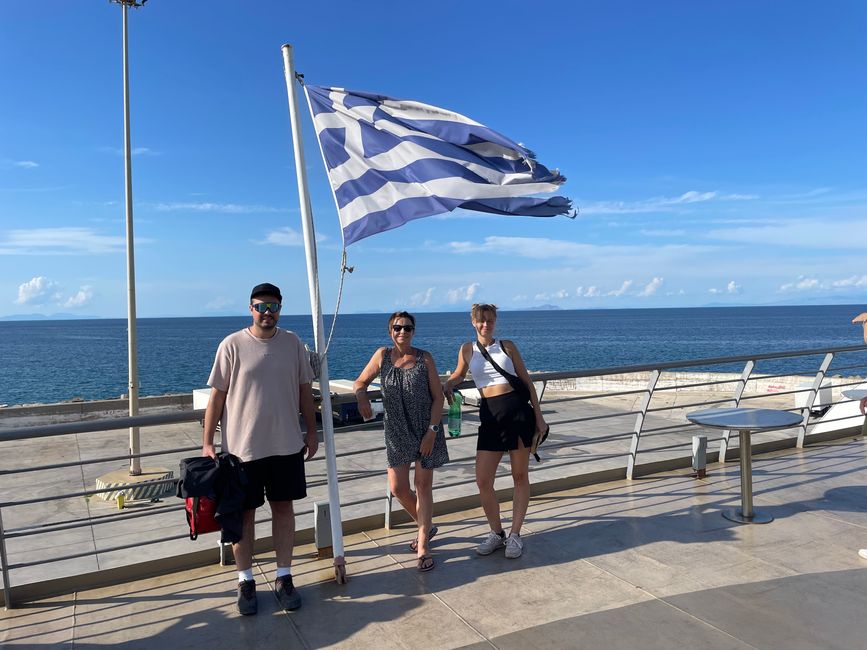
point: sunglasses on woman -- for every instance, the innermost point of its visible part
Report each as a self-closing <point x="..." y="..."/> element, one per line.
<point x="406" y="328"/>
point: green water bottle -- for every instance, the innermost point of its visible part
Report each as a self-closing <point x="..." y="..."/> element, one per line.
<point x="455" y="415"/>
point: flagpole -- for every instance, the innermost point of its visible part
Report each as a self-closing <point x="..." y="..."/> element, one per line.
<point x="318" y="329"/>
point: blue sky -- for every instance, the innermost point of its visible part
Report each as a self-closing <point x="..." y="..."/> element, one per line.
<point x="717" y="152"/>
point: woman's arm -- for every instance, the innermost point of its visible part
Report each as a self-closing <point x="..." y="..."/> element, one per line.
<point x="460" y="371"/>
<point x="436" y="407"/>
<point x="359" y="387"/>
<point x="521" y="370"/>
<point x="862" y="318"/>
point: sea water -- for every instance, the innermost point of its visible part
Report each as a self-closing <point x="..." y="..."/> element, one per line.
<point x="51" y="361"/>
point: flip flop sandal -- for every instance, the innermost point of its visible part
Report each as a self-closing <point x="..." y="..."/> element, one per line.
<point x="425" y="563"/>
<point x="413" y="545"/>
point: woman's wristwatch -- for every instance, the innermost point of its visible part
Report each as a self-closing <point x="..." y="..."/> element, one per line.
<point x="435" y="428"/>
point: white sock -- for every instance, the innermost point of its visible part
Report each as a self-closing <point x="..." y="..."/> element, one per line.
<point x="284" y="571"/>
<point x="245" y="575"/>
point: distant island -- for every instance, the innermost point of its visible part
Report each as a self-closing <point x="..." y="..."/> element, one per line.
<point x="545" y="308"/>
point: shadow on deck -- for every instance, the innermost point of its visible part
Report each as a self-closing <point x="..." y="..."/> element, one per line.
<point x="646" y="563"/>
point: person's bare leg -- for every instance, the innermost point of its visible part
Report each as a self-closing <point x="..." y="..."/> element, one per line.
<point x="520" y="461"/>
<point x="283" y="531"/>
<point x="398" y="483"/>
<point x="486" y="470"/>
<point x="424" y="507"/>
<point x="243" y="550"/>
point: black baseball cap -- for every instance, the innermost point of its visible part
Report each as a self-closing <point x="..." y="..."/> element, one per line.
<point x="266" y="289"/>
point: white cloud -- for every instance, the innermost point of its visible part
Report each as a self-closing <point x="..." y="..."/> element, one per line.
<point x="283" y="237"/>
<point x="26" y="164"/>
<point x="37" y="291"/>
<point x="659" y="203"/>
<point x="135" y="151"/>
<point x="714" y="290"/>
<point x="462" y="294"/>
<point x="82" y="297"/>
<point x="853" y="281"/>
<point x="422" y="297"/>
<point x="799" y="233"/>
<point x="220" y="303"/>
<point x="532" y="247"/>
<point x="555" y="295"/>
<point x="623" y="289"/>
<point x="663" y="233"/>
<point x="801" y="284"/>
<point x="733" y="287"/>
<point x="651" y="287"/>
<point x="62" y="241"/>
<point x="592" y="292"/>
<point x="739" y="197"/>
<point x="229" y="208"/>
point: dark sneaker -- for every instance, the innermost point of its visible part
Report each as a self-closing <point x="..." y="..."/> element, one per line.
<point x="247" y="602"/>
<point x="287" y="594"/>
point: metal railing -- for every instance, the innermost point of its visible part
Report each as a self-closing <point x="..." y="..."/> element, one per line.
<point x="639" y="435"/>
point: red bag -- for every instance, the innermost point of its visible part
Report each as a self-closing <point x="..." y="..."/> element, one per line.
<point x="201" y="515"/>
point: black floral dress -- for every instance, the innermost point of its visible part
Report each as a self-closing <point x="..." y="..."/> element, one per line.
<point x="407" y="401"/>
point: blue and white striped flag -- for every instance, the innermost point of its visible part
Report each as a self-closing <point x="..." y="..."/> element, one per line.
<point x="390" y="161"/>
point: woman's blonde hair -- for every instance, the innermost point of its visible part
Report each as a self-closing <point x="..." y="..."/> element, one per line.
<point x="478" y="309"/>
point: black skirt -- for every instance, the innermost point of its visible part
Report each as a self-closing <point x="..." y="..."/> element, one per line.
<point x="504" y="419"/>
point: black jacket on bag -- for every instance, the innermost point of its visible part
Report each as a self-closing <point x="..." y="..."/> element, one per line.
<point x="224" y="481"/>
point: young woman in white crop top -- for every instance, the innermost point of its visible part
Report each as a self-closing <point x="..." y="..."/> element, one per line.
<point x="507" y="424"/>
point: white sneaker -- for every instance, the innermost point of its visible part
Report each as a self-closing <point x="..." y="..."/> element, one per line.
<point x="492" y="542"/>
<point x="863" y="553"/>
<point x="514" y="546"/>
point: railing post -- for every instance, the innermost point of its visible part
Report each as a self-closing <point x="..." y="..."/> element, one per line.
<point x="811" y="397"/>
<point x="736" y="398"/>
<point x="389" y="498"/>
<point x="639" y="423"/>
<point x="7" y="588"/>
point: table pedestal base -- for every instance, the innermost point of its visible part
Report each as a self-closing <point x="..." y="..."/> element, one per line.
<point x="737" y="515"/>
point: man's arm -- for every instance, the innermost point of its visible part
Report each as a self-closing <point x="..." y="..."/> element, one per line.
<point x="308" y="412"/>
<point x="213" y="413"/>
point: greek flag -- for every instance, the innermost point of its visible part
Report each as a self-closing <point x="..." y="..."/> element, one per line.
<point x="390" y="161"/>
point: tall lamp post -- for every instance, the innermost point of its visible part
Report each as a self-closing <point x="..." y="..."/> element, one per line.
<point x="134" y="439"/>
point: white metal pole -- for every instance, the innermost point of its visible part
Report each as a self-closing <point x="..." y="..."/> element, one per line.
<point x="316" y="306"/>
<point x="134" y="441"/>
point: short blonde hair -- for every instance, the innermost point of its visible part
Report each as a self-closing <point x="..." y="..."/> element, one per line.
<point x="478" y="310"/>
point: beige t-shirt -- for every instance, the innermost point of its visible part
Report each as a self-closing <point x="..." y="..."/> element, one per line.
<point x="262" y="379"/>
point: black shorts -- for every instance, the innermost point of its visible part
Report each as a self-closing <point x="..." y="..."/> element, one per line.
<point x="280" y="478"/>
<point x="504" y="419"/>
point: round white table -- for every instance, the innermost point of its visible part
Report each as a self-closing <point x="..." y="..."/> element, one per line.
<point x="746" y="421"/>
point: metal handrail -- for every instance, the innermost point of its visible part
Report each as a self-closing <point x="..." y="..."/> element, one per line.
<point x="115" y="423"/>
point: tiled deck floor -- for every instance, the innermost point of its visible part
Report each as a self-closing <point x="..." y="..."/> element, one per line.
<point x="649" y="563"/>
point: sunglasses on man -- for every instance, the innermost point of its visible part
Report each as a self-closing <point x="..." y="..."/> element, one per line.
<point x="262" y="307"/>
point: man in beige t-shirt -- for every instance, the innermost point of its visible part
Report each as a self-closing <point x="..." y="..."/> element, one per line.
<point x="261" y="379"/>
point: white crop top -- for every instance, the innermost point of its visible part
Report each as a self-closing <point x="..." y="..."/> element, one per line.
<point x="483" y="372"/>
